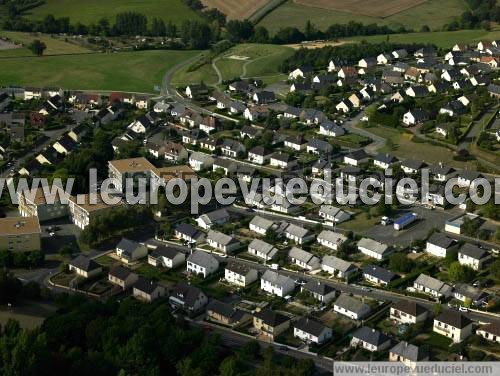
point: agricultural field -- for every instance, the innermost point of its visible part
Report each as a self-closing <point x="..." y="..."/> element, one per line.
<point x="124" y="71"/>
<point x="443" y="39"/>
<point x="90" y="11"/>
<point x="394" y="13"/>
<point x="55" y="46"/>
<point x="371" y="8"/>
<point x="236" y="9"/>
<point x="246" y="60"/>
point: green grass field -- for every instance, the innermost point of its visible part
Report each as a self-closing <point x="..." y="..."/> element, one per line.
<point x="90" y="11"/>
<point x="125" y="71"/>
<point x="263" y="62"/>
<point x="55" y="46"/>
<point x="434" y="13"/>
<point x="444" y="39"/>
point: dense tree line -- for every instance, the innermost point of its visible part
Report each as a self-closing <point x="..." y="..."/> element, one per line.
<point x="130" y="338"/>
<point x="479" y="14"/>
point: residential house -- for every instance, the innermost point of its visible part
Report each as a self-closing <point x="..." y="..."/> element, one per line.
<point x="259" y="155"/>
<point x="122" y="277"/>
<point x="432" y="286"/>
<point x="296" y="143"/>
<point x="187" y="232"/>
<point x="453" y="324"/>
<point x="282" y="160"/>
<point x="411" y="166"/>
<point x="256" y="113"/>
<point x="214" y="218"/>
<point x="130" y="251"/>
<point x="299" y="235"/>
<point x="408" y="354"/>
<point x="201" y="263"/>
<point x="260" y="225"/>
<point x="408" y="312"/>
<point x="337" y="267"/>
<point x="303" y="259"/>
<point x="225" y="314"/>
<point x="147" y="290"/>
<point x="467" y="177"/>
<point x="370" y="339"/>
<point x="320" y="147"/>
<point x="378" y="275"/>
<point x="353" y="308"/>
<point x="232" y="148"/>
<point x="276" y="284"/>
<point x="373" y="248"/>
<point x="196" y="91"/>
<point x="239" y="274"/>
<point x="270" y="324"/>
<point x="300" y="72"/>
<point x="356" y="158"/>
<point x="262" y="250"/>
<point x="468" y="294"/>
<point x="333" y="214"/>
<point x="222" y="242"/>
<point x="264" y="97"/>
<point x="330" y="239"/>
<point x="490" y="331"/>
<point x="385" y="161"/>
<point x="188" y="298"/>
<point x="415" y="117"/>
<point x="311" y="331"/>
<point x="167" y="257"/>
<point x="473" y="256"/>
<point x="329" y="128"/>
<point x="200" y="161"/>
<point x="319" y="291"/>
<point x="84" y="266"/>
<point x="439" y="244"/>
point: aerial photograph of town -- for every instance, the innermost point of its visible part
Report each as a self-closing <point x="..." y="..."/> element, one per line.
<point x="256" y="188"/>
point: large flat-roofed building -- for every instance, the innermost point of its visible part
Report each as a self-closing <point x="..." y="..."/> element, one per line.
<point x="134" y="168"/>
<point x="20" y="234"/>
<point x="44" y="206"/>
<point x="82" y="210"/>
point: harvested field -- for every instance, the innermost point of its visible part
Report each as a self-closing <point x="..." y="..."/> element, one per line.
<point x="371" y="8"/>
<point x="236" y="9"/>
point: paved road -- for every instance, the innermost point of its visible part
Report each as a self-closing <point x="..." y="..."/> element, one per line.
<point x="377" y="141"/>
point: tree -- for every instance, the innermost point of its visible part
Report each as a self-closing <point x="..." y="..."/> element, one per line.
<point x="495" y="269"/>
<point x="460" y="273"/>
<point x="37" y="47"/>
<point x="400" y="262"/>
<point x="10" y="287"/>
<point x="437" y="309"/>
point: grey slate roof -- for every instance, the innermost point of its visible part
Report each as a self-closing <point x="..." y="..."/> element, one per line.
<point x="127" y="246"/>
<point x="303" y="256"/>
<point x="409" y="351"/>
<point x="310" y="326"/>
<point x="297" y="231"/>
<point x="338" y="264"/>
<point x="84" y="263"/>
<point x="351" y="304"/>
<point x="263" y="247"/>
<point x="410" y="307"/>
<point x="202" y="258"/>
<point x="318" y="288"/>
<point x="145" y="285"/>
<point x="454" y="318"/>
<point x="167" y="252"/>
<point x="275" y="278"/>
<point x="473" y="251"/>
<point x="379" y="273"/>
<point x="186" y="293"/>
<point x="261" y="222"/>
<point x="432" y="283"/>
<point x="441" y="240"/>
<point x="220" y="238"/>
<point x="371" y="336"/>
<point x="271" y="318"/>
<point x="373" y="245"/>
<point x="120" y="272"/>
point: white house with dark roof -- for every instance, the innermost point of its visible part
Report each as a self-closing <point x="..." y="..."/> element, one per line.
<point x="353" y="308"/>
<point x="260" y="225"/>
<point x="239" y="274"/>
<point x="408" y="312"/>
<point x="337" y="267"/>
<point x="201" y="263"/>
<point x="200" y="161"/>
<point x="356" y="157"/>
<point x="262" y="250"/>
<point x="319" y="291"/>
<point x="473" y="256"/>
<point x="188" y="298"/>
<point x="333" y="214"/>
<point x="304" y="259"/>
<point x="217" y="217"/>
<point x="408" y="354"/>
<point x="330" y="239"/>
<point x="432" y="286"/>
<point x="384" y="161"/>
<point x="123" y="277"/>
<point x="84" y="266"/>
<point x="453" y="324"/>
<point x="167" y="257"/>
<point x="439" y="244"/>
<point x="377" y="275"/>
<point x="187" y="232"/>
<point x="466" y="177"/>
<point x="490" y="331"/>
<point x="222" y="242"/>
<point x="130" y="251"/>
<point x="370" y="339"/>
<point x="464" y="292"/>
<point x="276" y="284"/>
<point x="299" y="235"/>
<point x="147" y="290"/>
<point x="311" y="331"/>
<point x="415" y="116"/>
<point x="259" y="155"/>
<point x="373" y="248"/>
<point x="411" y="166"/>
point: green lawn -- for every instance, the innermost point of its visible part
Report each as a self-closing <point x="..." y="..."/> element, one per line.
<point x="55" y="46"/>
<point x="124" y="71"/>
<point x="403" y="147"/>
<point x="442" y="39"/>
<point x="434" y="13"/>
<point x="263" y="62"/>
<point x="90" y="11"/>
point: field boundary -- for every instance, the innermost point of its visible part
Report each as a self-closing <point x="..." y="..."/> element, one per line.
<point x="259" y="14"/>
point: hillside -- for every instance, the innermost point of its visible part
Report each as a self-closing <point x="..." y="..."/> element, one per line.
<point x="408" y="13"/>
<point x="90" y="11"/>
